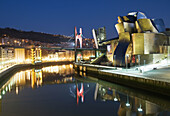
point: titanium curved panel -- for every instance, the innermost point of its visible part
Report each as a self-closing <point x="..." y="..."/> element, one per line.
<point x="159" y="24"/>
<point x="120" y="28"/>
<point x="138" y="28"/>
<point x="138" y="43"/>
<point x="129" y="18"/>
<point x="147" y="43"/>
<point x="141" y="15"/>
<point x="120" y="20"/>
<point x="129" y="27"/>
<point x="132" y="13"/>
<point x="146" y="25"/>
<point x="152" y="42"/>
<point x="124" y="37"/>
<point x="120" y="51"/>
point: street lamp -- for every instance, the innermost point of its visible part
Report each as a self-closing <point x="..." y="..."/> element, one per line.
<point x="115" y="99"/>
<point x="139" y="60"/>
<point x="127" y="104"/>
<point x="144" y="65"/>
<point x="114" y="61"/>
<point x="126" y="57"/>
<point x="140" y="109"/>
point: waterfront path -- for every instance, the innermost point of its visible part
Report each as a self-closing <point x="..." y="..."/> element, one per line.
<point x="153" y="78"/>
<point x="159" y="73"/>
<point x="162" y="74"/>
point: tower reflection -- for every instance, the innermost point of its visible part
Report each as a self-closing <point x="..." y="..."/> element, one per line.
<point x="36" y="77"/>
<point x="80" y="93"/>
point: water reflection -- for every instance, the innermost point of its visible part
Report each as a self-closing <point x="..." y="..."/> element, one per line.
<point x="37" y="77"/>
<point x="127" y="105"/>
<point x="61" y="91"/>
<point x="79" y="90"/>
<point x="80" y="93"/>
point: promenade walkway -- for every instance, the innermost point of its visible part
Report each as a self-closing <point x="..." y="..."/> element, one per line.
<point x="154" y="72"/>
<point x="160" y="74"/>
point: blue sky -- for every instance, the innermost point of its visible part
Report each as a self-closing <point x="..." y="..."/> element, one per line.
<point x="60" y="16"/>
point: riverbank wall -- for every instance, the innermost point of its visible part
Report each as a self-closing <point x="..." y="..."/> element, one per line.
<point x="144" y="83"/>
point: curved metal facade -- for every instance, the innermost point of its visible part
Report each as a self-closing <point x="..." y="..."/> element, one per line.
<point x="145" y="35"/>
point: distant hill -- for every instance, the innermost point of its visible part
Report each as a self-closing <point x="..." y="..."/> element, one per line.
<point x="35" y="36"/>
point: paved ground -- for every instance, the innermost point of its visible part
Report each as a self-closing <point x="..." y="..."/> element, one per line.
<point x="161" y="74"/>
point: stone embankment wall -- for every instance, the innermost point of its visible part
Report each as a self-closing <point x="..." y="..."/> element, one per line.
<point x="142" y="83"/>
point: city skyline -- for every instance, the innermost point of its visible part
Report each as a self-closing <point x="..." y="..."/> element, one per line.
<point x="60" y="17"/>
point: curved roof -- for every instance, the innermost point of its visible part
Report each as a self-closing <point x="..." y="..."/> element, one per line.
<point x="139" y="15"/>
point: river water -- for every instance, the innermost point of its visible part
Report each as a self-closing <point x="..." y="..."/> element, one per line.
<point x="58" y="91"/>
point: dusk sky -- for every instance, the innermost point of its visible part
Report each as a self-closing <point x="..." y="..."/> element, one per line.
<point x="61" y="16"/>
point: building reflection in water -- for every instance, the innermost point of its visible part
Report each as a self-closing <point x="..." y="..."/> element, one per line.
<point x="127" y="105"/>
<point x="79" y="90"/>
<point x="124" y="105"/>
<point x="80" y="93"/>
<point x="37" y="77"/>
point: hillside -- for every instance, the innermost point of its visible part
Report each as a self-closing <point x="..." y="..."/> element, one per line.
<point x="35" y="36"/>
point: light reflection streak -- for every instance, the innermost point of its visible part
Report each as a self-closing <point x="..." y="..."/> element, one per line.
<point x="34" y="78"/>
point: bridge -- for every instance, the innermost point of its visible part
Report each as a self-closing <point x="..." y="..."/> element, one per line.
<point x="36" y="53"/>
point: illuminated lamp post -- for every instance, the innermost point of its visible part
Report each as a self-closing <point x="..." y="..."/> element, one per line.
<point x="140" y="108"/>
<point x="115" y="98"/>
<point x="114" y="61"/>
<point x="139" y="62"/>
<point x="144" y="66"/>
<point x="126" y="61"/>
<point x="128" y="104"/>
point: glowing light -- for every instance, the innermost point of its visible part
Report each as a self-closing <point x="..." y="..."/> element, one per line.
<point x="9" y="87"/>
<point x="115" y="99"/>
<point x="16" y="90"/>
<point x="6" y="88"/>
<point x="28" y="60"/>
<point x="64" y="66"/>
<point x="127" y="104"/>
<point x="140" y="109"/>
<point x="0" y="96"/>
<point x="3" y="92"/>
<point x="71" y="66"/>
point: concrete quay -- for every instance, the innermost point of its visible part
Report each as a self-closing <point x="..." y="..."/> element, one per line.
<point x="156" y="81"/>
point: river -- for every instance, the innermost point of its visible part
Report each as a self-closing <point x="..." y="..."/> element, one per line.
<point x="58" y="91"/>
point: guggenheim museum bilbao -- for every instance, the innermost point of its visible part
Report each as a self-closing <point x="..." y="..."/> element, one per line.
<point x="141" y="40"/>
